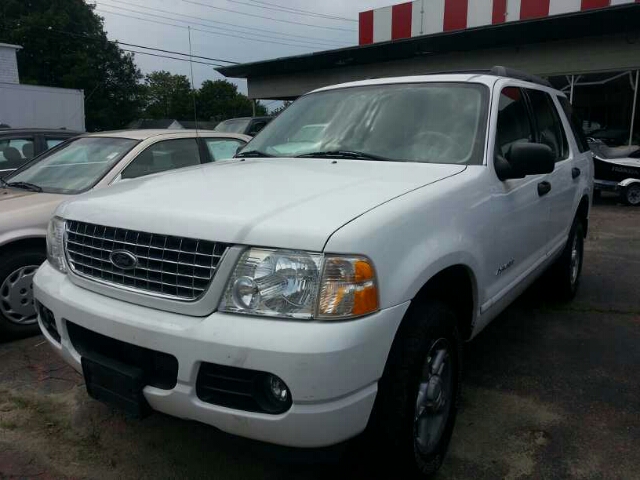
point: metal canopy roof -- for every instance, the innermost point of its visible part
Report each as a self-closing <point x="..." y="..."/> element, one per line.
<point x="623" y="19"/>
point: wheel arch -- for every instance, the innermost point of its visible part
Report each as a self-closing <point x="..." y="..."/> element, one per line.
<point x="583" y="213"/>
<point x="456" y="286"/>
<point x="34" y="241"/>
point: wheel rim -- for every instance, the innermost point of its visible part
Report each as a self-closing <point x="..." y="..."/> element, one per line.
<point x="435" y="397"/>
<point x="575" y="260"/>
<point x="16" y="296"/>
<point x="633" y="195"/>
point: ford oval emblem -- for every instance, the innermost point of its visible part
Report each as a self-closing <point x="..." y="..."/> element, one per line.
<point x="123" y="260"/>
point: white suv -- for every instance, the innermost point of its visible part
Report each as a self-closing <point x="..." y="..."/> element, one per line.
<point x="297" y="300"/>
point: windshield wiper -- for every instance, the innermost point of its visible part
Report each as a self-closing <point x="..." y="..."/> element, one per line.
<point x="32" y="187"/>
<point x="344" y="154"/>
<point x="252" y="154"/>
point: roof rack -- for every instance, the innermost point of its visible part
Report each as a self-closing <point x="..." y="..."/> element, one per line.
<point x="498" y="71"/>
<point x="513" y="73"/>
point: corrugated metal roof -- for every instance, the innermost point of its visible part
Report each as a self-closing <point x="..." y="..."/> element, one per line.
<point x="622" y="20"/>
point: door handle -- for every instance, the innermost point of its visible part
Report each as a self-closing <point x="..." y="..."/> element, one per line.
<point x="575" y="172"/>
<point x="544" y="188"/>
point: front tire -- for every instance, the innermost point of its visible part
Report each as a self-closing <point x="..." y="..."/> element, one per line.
<point x="418" y="394"/>
<point x="17" y="311"/>
<point x="631" y="195"/>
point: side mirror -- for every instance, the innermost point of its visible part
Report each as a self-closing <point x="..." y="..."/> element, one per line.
<point x="524" y="159"/>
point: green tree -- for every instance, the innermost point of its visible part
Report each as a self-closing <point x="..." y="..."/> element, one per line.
<point x="281" y="108"/>
<point x="220" y="99"/>
<point x="168" y="96"/>
<point x="65" y="45"/>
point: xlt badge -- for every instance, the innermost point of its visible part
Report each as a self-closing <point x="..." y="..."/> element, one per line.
<point x="504" y="267"/>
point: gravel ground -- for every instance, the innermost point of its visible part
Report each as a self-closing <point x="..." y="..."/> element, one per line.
<point x="550" y="391"/>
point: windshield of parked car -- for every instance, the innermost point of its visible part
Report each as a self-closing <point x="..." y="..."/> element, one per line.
<point x="74" y="167"/>
<point x="418" y="122"/>
<point x="233" y="126"/>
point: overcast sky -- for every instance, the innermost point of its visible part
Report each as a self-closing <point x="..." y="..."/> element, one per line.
<point x="255" y="37"/>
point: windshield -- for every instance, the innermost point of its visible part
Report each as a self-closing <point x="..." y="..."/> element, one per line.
<point x="76" y="166"/>
<point x="233" y="126"/>
<point x="421" y="122"/>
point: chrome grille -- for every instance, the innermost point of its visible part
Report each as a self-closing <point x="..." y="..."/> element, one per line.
<point x="171" y="267"/>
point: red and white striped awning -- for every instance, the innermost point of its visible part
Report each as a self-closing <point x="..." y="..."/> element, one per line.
<point x="426" y="17"/>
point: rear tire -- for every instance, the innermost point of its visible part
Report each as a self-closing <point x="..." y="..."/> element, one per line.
<point x="631" y="195"/>
<point x="565" y="274"/>
<point x="416" y="407"/>
<point x="17" y="312"/>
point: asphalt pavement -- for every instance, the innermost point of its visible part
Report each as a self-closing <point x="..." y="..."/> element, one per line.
<point x="551" y="391"/>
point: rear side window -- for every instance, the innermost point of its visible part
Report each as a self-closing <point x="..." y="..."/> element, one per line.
<point x="222" y="148"/>
<point x="576" y="125"/>
<point x="15" y="152"/>
<point x="513" y="121"/>
<point x="550" y="130"/>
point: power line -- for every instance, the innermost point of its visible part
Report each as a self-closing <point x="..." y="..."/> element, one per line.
<point x="315" y="44"/>
<point x="172" y="58"/>
<point x="252" y="29"/>
<point x="210" y="32"/>
<point x="295" y="11"/>
<point x="117" y="42"/>
<point x="175" y="53"/>
<point x="268" y="18"/>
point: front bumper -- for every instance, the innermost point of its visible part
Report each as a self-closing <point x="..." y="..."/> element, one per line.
<point x="331" y="368"/>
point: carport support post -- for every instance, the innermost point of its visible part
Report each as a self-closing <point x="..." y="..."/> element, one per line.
<point x="571" y="94"/>
<point x="253" y="104"/>
<point x="633" y="109"/>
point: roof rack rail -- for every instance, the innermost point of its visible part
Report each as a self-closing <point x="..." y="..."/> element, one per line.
<point x="498" y="71"/>
<point x="513" y="73"/>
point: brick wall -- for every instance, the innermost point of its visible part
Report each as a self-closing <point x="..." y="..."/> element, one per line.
<point x="8" y="65"/>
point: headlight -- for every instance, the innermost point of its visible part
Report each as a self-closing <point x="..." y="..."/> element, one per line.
<point x="294" y="284"/>
<point x="55" y="249"/>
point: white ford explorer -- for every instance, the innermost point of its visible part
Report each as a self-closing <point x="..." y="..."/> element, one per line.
<point x="323" y="281"/>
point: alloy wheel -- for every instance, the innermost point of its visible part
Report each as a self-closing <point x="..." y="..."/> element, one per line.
<point x="434" y="399"/>
<point x="574" y="265"/>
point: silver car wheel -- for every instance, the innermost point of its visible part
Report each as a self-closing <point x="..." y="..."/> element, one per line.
<point x="435" y="397"/>
<point x="633" y="194"/>
<point x="575" y="260"/>
<point x="16" y="296"/>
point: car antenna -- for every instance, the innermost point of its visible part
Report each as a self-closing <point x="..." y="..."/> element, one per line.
<point x="193" y="87"/>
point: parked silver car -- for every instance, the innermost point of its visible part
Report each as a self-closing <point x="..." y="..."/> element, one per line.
<point x="29" y="196"/>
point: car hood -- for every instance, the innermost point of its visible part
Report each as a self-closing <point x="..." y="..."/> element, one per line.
<point x="275" y="202"/>
<point x="28" y="212"/>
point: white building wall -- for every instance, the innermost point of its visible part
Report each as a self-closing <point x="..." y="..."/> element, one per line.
<point x="31" y="106"/>
<point x="8" y="64"/>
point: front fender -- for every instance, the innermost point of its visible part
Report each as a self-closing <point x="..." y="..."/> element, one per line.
<point x="628" y="181"/>
<point x="416" y="236"/>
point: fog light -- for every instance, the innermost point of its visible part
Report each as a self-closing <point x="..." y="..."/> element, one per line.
<point x="48" y="321"/>
<point x="274" y="397"/>
<point x="278" y="389"/>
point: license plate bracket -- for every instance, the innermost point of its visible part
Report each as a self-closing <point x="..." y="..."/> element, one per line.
<point x="116" y="384"/>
